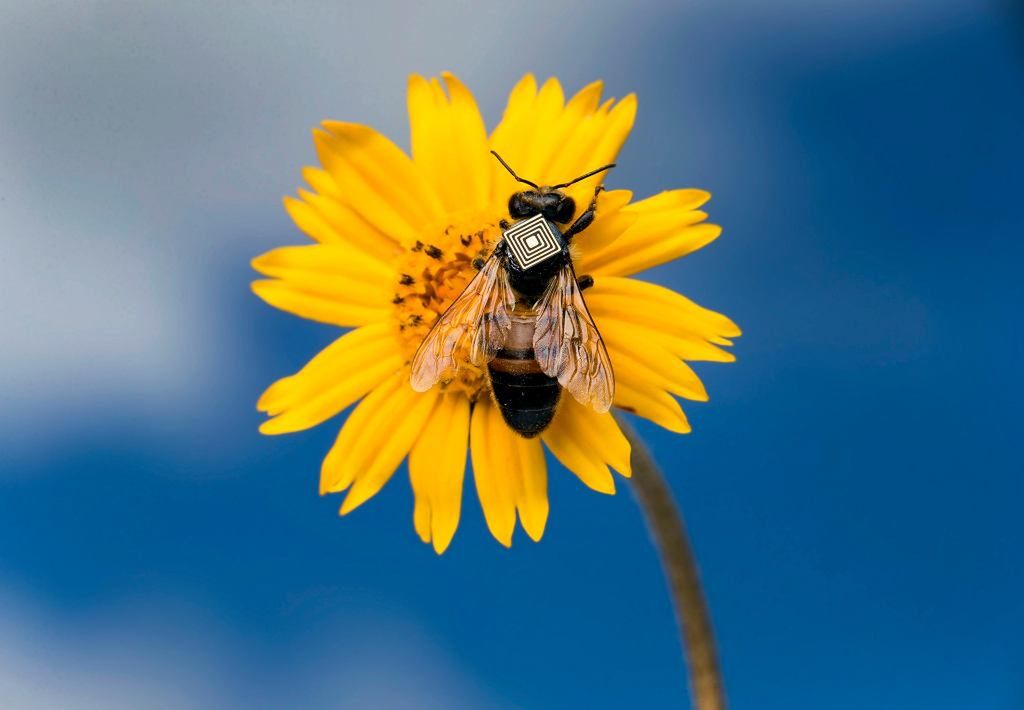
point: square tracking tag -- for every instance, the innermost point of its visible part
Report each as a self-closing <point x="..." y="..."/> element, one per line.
<point x="532" y="241"/>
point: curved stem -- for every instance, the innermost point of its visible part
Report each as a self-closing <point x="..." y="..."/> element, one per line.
<point x="666" y="526"/>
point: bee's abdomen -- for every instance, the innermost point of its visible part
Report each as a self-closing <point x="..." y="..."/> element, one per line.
<point x="526" y="396"/>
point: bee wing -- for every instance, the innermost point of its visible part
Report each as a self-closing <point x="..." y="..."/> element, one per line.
<point x="568" y="346"/>
<point x="473" y="327"/>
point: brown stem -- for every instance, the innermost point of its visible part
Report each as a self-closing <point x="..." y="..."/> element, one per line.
<point x="666" y="526"/>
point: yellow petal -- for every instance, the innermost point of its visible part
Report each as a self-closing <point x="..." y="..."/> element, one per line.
<point x="660" y="308"/>
<point x="533" y="155"/>
<point x="648" y="331"/>
<point x="614" y="129"/>
<point x="340" y="374"/>
<point x="667" y="226"/>
<point x="550" y="141"/>
<point x="437" y="465"/>
<point x="311" y="222"/>
<point x="609" y="224"/>
<point x="347" y="226"/>
<point x="408" y="414"/>
<point x="382" y="206"/>
<point x="650" y="364"/>
<point x="601" y="433"/>
<point x="532" y="492"/>
<point x="330" y="271"/>
<point x="449" y="142"/>
<point x="682" y="199"/>
<point x="387" y="168"/>
<point x="364" y="429"/>
<point x="656" y="405"/>
<point x="636" y="290"/>
<point x="330" y="259"/>
<point x="563" y="438"/>
<point x="324" y="309"/>
<point x="491" y="449"/>
<point x="421" y="516"/>
<point x="509" y="136"/>
<point x="517" y="112"/>
<point x="324" y="369"/>
<point x="660" y="250"/>
<point x="685" y="348"/>
<point x="576" y="118"/>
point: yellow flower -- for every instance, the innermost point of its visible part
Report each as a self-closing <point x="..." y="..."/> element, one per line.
<point x="394" y="240"/>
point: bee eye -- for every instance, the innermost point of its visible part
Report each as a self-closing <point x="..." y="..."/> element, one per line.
<point x="518" y="206"/>
<point x="566" y="209"/>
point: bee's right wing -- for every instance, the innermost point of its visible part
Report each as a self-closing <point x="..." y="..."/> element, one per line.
<point x="568" y="345"/>
<point x="473" y="328"/>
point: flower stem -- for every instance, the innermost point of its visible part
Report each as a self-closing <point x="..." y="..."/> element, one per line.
<point x="666" y="526"/>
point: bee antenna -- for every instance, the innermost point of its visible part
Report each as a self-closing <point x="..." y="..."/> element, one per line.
<point x="609" y="166"/>
<point x="532" y="184"/>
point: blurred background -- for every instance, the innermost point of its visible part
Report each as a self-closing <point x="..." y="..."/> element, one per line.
<point x="853" y="489"/>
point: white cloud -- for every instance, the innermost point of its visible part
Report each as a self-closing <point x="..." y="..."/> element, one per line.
<point x="159" y="656"/>
<point x="127" y="664"/>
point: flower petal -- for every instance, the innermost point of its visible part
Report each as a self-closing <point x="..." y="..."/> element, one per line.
<point x="573" y="137"/>
<point x="522" y="136"/>
<point x="491" y="445"/>
<point x="449" y="142"/>
<point x="509" y="136"/>
<point x="372" y="443"/>
<point x="649" y="330"/>
<point x="330" y="259"/>
<point x="601" y="432"/>
<point x="587" y="442"/>
<point x="600" y="146"/>
<point x="330" y="271"/>
<point x="317" y="306"/>
<point x="398" y="434"/>
<point x="337" y="222"/>
<point x="609" y="224"/>
<point x="651" y="364"/>
<point x="550" y="141"/>
<point x="657" y="308"/>
<point x="668" y="226"/>
<point x="365" y="429"/>
<point x="342" y="372"/>
<point x="347" y="151"/>
<point x="437" y="465"/>
<point x="532" y="491"/>
<point x="656" y="405"/>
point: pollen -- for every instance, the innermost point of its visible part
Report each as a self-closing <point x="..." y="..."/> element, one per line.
<point x="430" y="275"/>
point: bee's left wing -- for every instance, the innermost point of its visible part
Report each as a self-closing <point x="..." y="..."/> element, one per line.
<point x="473" y="328"/>
<point x="568" y="346"/>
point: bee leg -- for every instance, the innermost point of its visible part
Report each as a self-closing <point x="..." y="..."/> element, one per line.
<point x="503" y="223"/>
<point x="584" y="282"/>
<point x="478" y="263"/>
<point x="585" y="219"/>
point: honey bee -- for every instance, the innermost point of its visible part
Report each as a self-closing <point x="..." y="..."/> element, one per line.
<point x="523" y="316"/>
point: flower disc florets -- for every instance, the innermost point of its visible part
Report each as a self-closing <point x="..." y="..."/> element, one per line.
<point x="431" y="274"/>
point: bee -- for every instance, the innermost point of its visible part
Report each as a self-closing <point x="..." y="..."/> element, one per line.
<point x="523" y="316"/>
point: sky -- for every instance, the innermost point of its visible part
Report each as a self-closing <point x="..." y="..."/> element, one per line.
<point x="852" y="489"/>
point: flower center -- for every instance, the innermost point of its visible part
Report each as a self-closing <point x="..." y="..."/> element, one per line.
<point x="432" y="274"/>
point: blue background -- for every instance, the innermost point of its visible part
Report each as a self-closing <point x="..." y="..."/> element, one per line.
<point x="853" y="489"/>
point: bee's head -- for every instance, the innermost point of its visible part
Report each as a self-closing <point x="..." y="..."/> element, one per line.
<point x="555" y="205"/>
<point x="551" y="202"/>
